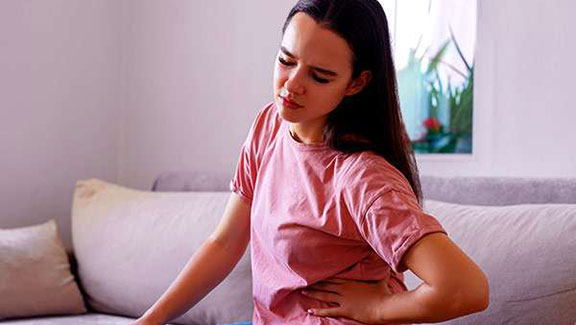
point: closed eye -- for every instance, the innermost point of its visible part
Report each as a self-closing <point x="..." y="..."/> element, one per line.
<point x="320" y="80"/>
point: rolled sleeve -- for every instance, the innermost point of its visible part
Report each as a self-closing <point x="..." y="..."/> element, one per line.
<point x="393" y="223"/>
<point x="243" y="180"/>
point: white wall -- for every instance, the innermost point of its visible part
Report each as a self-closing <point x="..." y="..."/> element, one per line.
<point x="198" y="73"/>
<point x="60" y="95"/>
<point x="124" y="90"/>
<point x="193" y="114"/>
<point x="524" y="96"/>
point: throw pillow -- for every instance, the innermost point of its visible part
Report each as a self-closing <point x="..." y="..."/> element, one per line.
<point x="35" y="276"/>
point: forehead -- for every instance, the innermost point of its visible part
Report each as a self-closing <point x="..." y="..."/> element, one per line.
<point x="316" y="45"/>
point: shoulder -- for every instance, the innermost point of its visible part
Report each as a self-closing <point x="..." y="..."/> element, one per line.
<point x="268" y="113"/>
<point x="264" y="127"/>
<point x="367" y="176"/>
<point x="367" y="166"/>
<point x="266" y="118"/>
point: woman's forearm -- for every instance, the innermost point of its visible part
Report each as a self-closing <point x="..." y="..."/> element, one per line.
<point x="205" y="270"/>
<point x="425" y="305"/>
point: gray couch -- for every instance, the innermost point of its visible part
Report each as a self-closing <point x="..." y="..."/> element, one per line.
<point x="527" y="250"/>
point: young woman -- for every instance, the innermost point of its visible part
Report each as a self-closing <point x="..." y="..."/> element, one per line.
<point x="326" y="190"/>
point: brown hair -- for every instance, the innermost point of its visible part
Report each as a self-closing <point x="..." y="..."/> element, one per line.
<point x="371" y="119"/>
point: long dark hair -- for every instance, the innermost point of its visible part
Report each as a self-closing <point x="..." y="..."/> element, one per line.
<point x="371" y="119"/>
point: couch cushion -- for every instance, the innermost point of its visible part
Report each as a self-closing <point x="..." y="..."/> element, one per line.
<point x="130" y="245"/>
<point x="528" y="253"/>
<point x="35" y="277"/>
<point x="84" y="319"/>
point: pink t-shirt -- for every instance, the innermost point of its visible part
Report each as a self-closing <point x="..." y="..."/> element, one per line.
<point x="318" y="213"/>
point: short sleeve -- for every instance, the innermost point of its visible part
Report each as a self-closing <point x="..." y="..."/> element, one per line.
<point x="393" y="223"/>
<point x="243" y="181"/>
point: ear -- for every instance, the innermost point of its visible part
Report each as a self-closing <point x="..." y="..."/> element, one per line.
<point x="356" y="86"/>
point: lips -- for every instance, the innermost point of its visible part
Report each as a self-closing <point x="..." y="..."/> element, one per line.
<point x="288" y="103"/>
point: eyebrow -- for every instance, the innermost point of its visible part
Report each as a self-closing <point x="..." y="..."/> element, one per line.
<point x="328" y="72"/>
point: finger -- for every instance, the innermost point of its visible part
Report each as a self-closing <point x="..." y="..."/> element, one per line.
<point x="335" y="288"/>
<point x="342" y="280"/>
<point x="385" y="287"/>
<point x="326" y="312"/>
<point x="322" y="284"/>
<point x="335" y="280"/>
<point x="322" y="295"/>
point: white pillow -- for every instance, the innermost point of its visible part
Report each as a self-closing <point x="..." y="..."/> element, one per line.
<point x="35" y="276"/>
<point x="528" y="253"/>
<point x="130" y="246"/>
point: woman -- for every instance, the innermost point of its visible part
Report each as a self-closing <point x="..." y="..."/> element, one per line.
<point x="326" y="191"/>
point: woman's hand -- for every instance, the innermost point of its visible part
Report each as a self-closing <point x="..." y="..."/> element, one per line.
<point x="147" y="321"/>
<point x="358" y="300"/>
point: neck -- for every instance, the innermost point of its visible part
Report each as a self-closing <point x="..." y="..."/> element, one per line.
<point x="306" y="134"/>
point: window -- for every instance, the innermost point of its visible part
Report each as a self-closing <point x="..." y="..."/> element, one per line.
<point x="433" y="43"/>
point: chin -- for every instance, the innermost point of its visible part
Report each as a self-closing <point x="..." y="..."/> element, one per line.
<point x="286" y="115"/>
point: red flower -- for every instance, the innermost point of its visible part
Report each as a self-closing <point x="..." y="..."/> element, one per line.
<point x="432" y="124"/>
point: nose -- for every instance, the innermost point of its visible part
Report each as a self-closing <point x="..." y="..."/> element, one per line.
<point x="294" y="83"/>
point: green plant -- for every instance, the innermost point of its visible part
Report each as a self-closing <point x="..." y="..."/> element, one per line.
<point x="458" y="100"/>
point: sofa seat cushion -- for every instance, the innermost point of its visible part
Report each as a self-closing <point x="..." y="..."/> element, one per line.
<point x="527" y="252"/>
<point x="85" y="319"/>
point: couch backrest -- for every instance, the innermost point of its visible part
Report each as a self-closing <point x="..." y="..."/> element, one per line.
<point x="499" y="190"/>
<point x="457" y="189"/>
<point x="524" y="244"/>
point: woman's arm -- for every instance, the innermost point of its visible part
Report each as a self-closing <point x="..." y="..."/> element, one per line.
<point x="453" y="284"/>
<point x="209" y="265"/>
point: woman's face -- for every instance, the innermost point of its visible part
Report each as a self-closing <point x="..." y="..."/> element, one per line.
<point x="313" y="68"/>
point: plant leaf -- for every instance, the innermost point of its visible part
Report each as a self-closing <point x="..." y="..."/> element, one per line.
<point x="458" y="49"/>
<point x="438" y="56"/>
